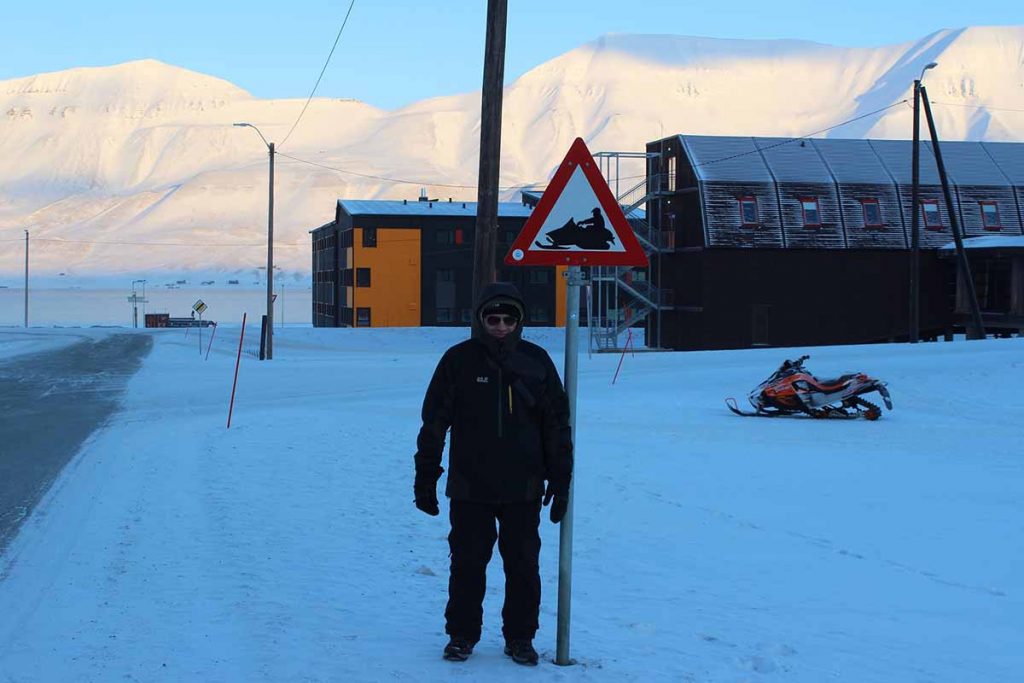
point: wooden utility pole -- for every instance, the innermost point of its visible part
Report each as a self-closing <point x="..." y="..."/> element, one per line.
<point x="914" y="333"/>
<point x="976" y="330"/>
<point x="485" y="242"/>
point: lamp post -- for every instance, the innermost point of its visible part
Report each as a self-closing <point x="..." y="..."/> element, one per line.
<point x="270" y="245"/>
<point x="135" y="303"/>
<point x="915" y="239"/>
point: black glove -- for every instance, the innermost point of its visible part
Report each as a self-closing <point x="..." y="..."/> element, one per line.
<point x="559" y="507"/>
<point x="425" y="491"/>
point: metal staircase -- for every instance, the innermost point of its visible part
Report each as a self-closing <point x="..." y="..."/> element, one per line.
<point x="624" y="296"/>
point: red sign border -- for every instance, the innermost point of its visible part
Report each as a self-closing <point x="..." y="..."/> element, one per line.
<point x="578" y="155"/>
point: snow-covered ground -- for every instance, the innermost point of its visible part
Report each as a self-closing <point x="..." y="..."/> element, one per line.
<point x="708" y="547"/>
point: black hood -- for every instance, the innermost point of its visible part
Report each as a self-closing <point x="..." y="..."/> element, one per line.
<point x="498" y="290"/>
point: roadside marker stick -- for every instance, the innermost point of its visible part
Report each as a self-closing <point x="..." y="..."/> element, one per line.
<point x="210" y="345"/>
<point x="238" y="361"/>
<point x="628" y="345"/>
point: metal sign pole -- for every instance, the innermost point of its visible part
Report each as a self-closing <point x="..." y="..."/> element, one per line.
<point x="572" y="326"/>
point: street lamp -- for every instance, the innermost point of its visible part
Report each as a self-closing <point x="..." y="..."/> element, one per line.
<point x="270" y="245"/>
<point x="915" y="239"/>
<point x="135" y="302"/>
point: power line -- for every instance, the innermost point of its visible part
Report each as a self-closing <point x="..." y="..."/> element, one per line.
<point x="317" y="85"/>
<point x="402" y="181"/>
<point x="976" y="106"/>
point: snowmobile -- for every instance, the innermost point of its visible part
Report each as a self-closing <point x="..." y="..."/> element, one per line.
<point x="791" y="390"/>
<point x="582" y="235"/>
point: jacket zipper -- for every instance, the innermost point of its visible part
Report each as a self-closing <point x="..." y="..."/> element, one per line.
<point x="499" y="403"/>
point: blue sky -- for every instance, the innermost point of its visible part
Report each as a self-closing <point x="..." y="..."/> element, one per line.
<point x="394" y="52"/>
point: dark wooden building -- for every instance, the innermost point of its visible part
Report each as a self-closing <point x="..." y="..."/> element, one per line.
<point x="785" y="242"/>
<point x="410" y="263"/>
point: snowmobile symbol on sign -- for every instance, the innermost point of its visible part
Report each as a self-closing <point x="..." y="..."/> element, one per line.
<point x="577" y="222"/>
<point x="585" y="234"/>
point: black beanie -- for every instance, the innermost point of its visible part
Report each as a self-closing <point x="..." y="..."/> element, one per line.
<point x="502" y="306"/>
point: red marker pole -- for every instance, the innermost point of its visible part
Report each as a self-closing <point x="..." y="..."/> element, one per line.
<point x="212" y="335"/>
<point x="621" y="356"/>
<point x="238" y="361"/>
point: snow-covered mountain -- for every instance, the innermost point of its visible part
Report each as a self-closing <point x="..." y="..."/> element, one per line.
<point x="144" y="152"/>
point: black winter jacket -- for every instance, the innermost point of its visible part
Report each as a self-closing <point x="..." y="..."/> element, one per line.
<point x="508" y="415"/>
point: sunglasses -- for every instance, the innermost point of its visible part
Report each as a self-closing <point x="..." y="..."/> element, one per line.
<point x="494" y="320"/>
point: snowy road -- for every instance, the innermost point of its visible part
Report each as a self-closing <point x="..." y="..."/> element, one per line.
<point x="707" y="547"/>
<point x="50" y="402"/>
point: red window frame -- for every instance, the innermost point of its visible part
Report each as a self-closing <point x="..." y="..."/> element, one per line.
<point x="998" y="225"/>
<point x="924" y="214"/>
<point x="757" y="212"/>
<point x="864" y="209"/>
<point x="817" y="210"/>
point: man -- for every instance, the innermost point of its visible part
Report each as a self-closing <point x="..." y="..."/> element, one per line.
<point x="509" y="418"/>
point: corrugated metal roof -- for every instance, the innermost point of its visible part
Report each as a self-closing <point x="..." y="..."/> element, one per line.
<point x="793" y="160"/>
<point x="852" y="161"/>
<point x="969" y="164"/>
<point x="379" y="207"/>
<point x="1010" y="158"/>
<point x="739" y="159"/>
<point x="716" y="157"/>
<point x="896" y="155"/>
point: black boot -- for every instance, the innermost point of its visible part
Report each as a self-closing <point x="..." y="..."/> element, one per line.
<point x="521" y="651"/>
<point x="458" y="649"/>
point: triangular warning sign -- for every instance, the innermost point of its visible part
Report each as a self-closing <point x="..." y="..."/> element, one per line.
<point x="577" y="221"/>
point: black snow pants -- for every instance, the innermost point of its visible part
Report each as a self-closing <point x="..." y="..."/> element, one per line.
<point x="471" y="541"/>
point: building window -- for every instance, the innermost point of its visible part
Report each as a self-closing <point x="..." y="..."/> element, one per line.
<point x="362" y="277"/>
<point x="990" y="215"/>
<point x="346" y="277"/>
<point x="812" y="217"/>
<point x="443" y="315"/>
<point x="932" y="219"/>
<point x="444" y="237"/>
<point x="538" y="276"/>
<point x="672" y="174"/>
<point x="346" y="239"/>
<point x="538" y="314"/>
<point x="362" y="317"/>
<point x="748" y="212"/>
<point x="467" y="315"/>
<point x="369" y="237"/>
<point x="872" y="213"/>
<point x="445" y="275"/>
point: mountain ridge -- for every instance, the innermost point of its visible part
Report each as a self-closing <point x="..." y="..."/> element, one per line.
<point x="144" y="151"/>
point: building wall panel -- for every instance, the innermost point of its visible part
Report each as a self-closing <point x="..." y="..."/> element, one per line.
<point x="970" y="197"/>
<point x="797" y="234"/>
<point x="858" y="236"/>
<point x="724" y="223"/>
<point x="393" y="296"/>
